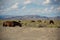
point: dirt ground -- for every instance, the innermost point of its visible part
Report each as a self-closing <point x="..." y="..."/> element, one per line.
<point x="28" y="33"/>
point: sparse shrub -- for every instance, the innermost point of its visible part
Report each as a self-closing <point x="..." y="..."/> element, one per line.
<point x="58" y="26"/>
<point x="39" y="21"/>
<point x="45" y="21"/>
<point x="40" y="26"/>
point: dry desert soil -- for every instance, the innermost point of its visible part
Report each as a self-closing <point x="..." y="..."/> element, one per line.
<point x="29" y="33"/>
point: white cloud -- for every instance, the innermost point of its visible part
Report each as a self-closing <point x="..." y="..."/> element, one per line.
<point x="46" y="2"/>
<point x="27" y="1"/>
<point x="58" y="8"/>
<point x="48" y="10"/>
<point x="55" y="0"/>
<point x="39" y="10"/>
<point x="52" y="9"/>
<point x="24" y="7"/>
<point x="15" y="6"/>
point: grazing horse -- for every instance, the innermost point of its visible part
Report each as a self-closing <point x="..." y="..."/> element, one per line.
<point x="12" y="24"/>
<point x="19" y="21"/>
<point x="51" y="22"/>
<point x="16" y="23"/>
<point x="32" y="21"/>
<point x="7" y="23"/>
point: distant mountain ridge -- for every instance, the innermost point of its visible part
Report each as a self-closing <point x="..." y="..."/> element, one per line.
<point x="26" y="17"/>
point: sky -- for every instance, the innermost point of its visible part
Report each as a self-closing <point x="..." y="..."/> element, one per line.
<point x="49" y="8"/>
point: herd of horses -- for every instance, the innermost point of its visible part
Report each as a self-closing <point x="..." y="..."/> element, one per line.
<point x="15" y="23"/>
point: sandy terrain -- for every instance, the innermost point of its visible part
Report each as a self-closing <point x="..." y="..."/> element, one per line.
<point x="28" y="33"/>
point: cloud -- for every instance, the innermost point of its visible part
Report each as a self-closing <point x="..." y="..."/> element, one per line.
<point x="51" y="9"/>
<point x="46" y="2"/>
<point x="15" y="6"/>
<point x="27" y="2"/>
<point x="48" y="10"/>
<point x="39" y="10"/>
<point x="52" y="2"/>
<point x="57" y="1"/>
<point x="58" y="9"/>
<point x="23" y="7"/>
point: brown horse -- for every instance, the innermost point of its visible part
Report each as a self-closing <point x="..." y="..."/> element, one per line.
<point x="51" y="22"/>
<point x="32" y="21"/>
<point x="17" y="23"/>
<point x="7" y="23"/>
<point x="11" y="24"/>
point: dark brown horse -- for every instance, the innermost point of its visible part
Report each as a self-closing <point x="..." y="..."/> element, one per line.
<point x="17" y="23"/>
<point x="11" y="24"/>
<point x="51" y="22"/>
<point x="32" y="21"/>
